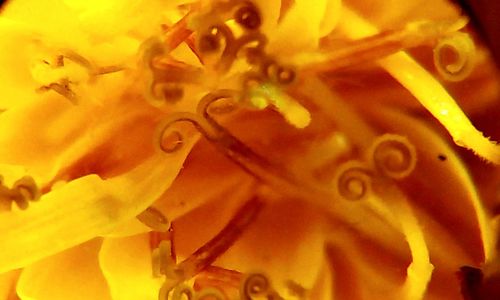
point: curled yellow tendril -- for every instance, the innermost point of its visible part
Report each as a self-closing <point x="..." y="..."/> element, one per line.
<point x="427" y="90"/>
<point x="393" y="156"/>
<point x="254" y="285"/>
<point x="353" y="181"/>
<point x="183" y="292"/>
<point x="454" y="56"/>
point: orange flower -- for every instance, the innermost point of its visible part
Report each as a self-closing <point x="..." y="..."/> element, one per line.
<point x="310" y="172"/>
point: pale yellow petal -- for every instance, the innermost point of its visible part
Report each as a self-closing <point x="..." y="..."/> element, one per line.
<point x="84" y="208"/>
<point x="72" y="274"/>
<point x="17" y="84"/>
<point x="270" y="11"/>
<point x="299" y="29"/>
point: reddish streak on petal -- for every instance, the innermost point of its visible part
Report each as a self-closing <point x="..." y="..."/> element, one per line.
<point x="177" y="33"/>
<point x="208" y="253"/>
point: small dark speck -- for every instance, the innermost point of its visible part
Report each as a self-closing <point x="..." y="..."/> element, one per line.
<point x="442" y="157"/>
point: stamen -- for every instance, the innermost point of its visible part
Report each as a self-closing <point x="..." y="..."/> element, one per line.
<point x="154" y="219"/>
<point x="248" y="16"/>
<point x="62" y="88"/>
<point x="430" y="93"/>
<point x="183" y="292"/>
<point x="218" y="277"/>
<point x="353" y="181"/>
<point x="256" y="165"/>
<point x="170" y="92"/>
<point x="22" y="192"/>
<point x="210" y="44"/>
<point x="252" y="42"/>
<point x="210" y="41"/>
<point x="255" y="285"/>
<point x="165" y="74"/>
<point x="454" y="56"/>
<point x="170" y="140"/>
<point x="178" y="33"/>
<point x="278" y="73"/>
<point x="208" y="253"/>
<point x="393" y="156"/>
<point x="386" y="43"/>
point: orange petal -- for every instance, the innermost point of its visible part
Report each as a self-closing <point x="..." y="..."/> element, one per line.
<point x="285" y="242"/>
<point x="8" y="284"/>
<point x="207" y="176"/>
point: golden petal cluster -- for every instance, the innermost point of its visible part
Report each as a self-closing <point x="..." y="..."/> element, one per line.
<point x="247" y="149"/>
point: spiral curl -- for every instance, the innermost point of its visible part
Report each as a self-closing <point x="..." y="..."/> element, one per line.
<point x="210" y="293"/>
<point x="171" y="139"/>
<point x="255" y="285"/>
<point x="353" y="181"/>
<point x="461" y="48"/>
<point x="183" y="292"/>
<point x="23" y="191"/>
<point x="393" y="156"/>
<point x="248" y="16"/>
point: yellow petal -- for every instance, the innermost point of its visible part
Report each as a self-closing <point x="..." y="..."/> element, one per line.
<point x="72" y="274"/>
<point x="299" y="30"/>
<point x="52" y="137"/>
<point x="332" y="15"/>
<point x="18" y="87"/>
<point x="126" y="264"/>
<point x="270" y="11"/>
<point x="84" y="208"/>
